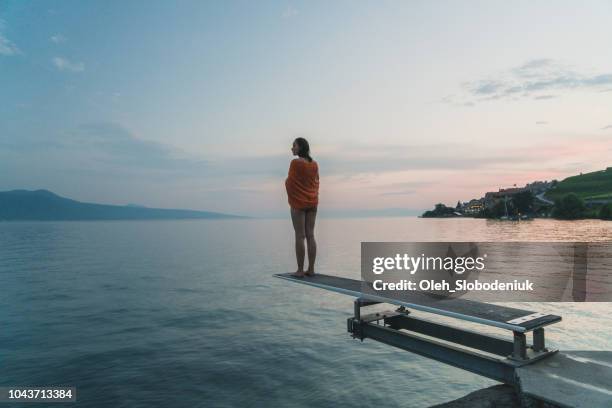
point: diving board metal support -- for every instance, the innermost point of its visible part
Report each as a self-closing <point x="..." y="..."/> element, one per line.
<point x="487" y="355"/>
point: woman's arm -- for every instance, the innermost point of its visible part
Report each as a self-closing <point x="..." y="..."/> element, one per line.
<point x="290" y="175"/>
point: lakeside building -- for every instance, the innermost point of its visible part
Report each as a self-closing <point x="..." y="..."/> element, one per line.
<point x="492" y="197"/>
<point x="536" y="188"/>
<point x="474" y="206"/>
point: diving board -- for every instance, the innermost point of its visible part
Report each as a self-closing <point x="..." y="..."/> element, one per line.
<point x="576" y="379"/>
<point x="517" y="320"/>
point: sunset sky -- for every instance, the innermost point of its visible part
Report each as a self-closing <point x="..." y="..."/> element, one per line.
<point x="195" y="104"/>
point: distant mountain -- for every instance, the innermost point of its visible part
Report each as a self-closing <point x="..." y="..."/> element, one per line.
<point x="45" y="205"/>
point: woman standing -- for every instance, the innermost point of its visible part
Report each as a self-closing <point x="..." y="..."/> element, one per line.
<point x="302" y="186"/>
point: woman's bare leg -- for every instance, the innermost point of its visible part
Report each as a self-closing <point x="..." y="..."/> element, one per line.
<point x="298" y="219"/>
<point x="310" y="240"/>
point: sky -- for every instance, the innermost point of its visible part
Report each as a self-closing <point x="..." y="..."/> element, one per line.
<point x="195" y="104"/>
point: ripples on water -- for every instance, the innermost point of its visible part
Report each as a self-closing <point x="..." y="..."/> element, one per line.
<point x="186" y="313"/>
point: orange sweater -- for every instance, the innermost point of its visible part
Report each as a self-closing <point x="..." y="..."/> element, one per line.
<point x="302" y="184"/>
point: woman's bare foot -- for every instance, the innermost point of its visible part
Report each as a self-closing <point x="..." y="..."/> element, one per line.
<point x="298" y="274"/>
<point x="309" y="273"/>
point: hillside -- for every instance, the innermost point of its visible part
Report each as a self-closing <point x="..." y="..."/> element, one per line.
<point x="45" y="205"/>
<point x="595" y="185"/>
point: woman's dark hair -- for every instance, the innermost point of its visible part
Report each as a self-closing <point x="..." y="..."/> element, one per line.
<point x="304" y="148"/>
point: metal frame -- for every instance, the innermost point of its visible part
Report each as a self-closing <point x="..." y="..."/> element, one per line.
<point x="482" y="354"/>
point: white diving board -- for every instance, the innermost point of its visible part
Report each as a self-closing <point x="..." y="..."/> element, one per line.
<point x="517" y="320"/>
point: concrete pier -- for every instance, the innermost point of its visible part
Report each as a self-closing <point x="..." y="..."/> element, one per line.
<point x="570" y="379"/>
<point x="497" y="396"/>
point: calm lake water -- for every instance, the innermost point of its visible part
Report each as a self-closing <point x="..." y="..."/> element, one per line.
<point x="187" y="313"/>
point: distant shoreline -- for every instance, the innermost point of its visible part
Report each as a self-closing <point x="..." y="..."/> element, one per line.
<point x="43" y="205"/>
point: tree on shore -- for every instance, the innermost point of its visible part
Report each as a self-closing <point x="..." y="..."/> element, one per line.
<point x="523" y="202"/>
<point x="440" y="210"/>
<point x="569" y="207"/>
<point x="605" y="212"/>
<point x="501" y="209"/>
<point x="496" y="211"/>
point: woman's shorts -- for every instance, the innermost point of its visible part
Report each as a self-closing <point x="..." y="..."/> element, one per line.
<point x="308" y="209"/>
